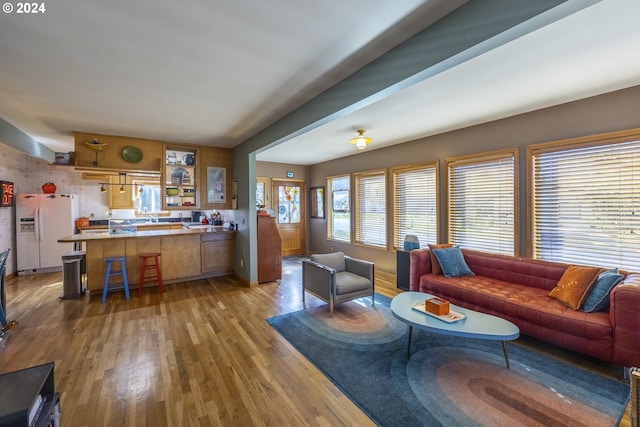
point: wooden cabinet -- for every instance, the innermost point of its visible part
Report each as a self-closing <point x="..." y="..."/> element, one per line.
<point x="216" y="253"/>
<point x="118" y="199"/>
<point x="269" y="250"/>
<point x="181" y="185"/>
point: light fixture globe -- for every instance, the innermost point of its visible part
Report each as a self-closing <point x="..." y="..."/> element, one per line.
<point x="361" y="141"/>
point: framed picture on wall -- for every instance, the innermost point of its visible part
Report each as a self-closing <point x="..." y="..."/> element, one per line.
<point x="317" y="202"/>
<point x="216" y="184"/>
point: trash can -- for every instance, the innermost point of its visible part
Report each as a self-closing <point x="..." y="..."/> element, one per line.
<point x="72" y="273"/>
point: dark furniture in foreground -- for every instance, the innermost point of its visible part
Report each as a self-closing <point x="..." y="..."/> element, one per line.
<point x="28" y="398"/>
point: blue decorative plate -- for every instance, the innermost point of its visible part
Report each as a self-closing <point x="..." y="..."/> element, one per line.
<point x="282" y="209"/>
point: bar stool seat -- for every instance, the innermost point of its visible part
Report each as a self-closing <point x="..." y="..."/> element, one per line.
<point x="157" y="273"/>
<point x="109" y="273"/>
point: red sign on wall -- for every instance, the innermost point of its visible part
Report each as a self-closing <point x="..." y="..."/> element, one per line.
<point x="6" y="193"/>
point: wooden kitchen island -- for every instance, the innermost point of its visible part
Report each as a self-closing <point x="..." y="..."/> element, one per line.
<point x="186" y="253"/>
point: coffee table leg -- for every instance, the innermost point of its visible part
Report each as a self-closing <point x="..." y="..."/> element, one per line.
<point x="409" y="341"/>
<point x="506" y="353"/>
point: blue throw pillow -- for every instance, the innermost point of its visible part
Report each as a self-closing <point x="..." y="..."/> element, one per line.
<point x="598" y="297"/>
<point x="452" y="262"/>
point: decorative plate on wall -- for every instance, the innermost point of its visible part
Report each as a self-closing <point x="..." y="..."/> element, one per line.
<point x="131" y="154"/>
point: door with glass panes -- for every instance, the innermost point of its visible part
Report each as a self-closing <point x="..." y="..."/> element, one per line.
<point x="289" y="203"/>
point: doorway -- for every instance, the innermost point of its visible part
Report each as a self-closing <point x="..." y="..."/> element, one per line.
<point x="290" y="204"/>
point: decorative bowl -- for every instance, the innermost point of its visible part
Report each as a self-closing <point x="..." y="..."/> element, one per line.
<point x="172" y="191"/>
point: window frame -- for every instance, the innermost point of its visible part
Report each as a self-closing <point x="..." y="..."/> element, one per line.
<point x="423" y="238"/>
<point x="596" y="141"/>
<point x="478" y="159"/>
<point x="358" y="208"/>
<point x="331" y="212"/>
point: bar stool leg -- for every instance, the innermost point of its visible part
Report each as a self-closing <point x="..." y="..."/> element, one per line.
<point x="107" y="275"/>
<point x="143" y="268"/>
<point x="124" y="278"/>
<point x="159" y="274"/>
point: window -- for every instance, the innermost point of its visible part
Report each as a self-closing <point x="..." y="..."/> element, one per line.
<point x="371" y="208"/>
<point x="482" y="205"/>
<point x="415" y="204"/>
<point x="339" y="221"/>
<point x="148" y="196"/>
<point x="586" y="202"/>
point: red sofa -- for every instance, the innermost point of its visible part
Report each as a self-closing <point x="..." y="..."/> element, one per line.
<point x="517" y="289"/>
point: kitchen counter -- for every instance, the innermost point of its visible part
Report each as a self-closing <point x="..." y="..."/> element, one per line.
<point x="186" y="253"/>
<point x="76" y="238"/>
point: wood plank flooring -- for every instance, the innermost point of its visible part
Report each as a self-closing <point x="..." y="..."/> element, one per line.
<point x="199" y="354"/>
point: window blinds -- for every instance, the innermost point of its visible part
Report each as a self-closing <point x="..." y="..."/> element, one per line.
<point x="415" y="204"/>
<point x="371" y="200"/>
<point x="586" y="205"/>
<point x="482" y="203"/>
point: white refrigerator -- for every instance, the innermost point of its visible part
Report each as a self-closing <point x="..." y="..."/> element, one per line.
<point x="42" y="219"/>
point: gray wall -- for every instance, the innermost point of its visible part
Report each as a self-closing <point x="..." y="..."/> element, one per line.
<point x="605" y="113"/>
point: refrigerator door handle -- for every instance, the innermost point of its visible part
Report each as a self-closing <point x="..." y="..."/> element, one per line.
<point x="38" y="224"/>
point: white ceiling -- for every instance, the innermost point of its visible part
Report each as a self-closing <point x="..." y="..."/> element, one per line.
<point x="217" y="72"/>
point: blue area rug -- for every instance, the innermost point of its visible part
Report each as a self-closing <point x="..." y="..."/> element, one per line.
<point x="448" y="381"/>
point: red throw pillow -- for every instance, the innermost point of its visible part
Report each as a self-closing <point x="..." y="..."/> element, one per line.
<point x="435" y="264"/>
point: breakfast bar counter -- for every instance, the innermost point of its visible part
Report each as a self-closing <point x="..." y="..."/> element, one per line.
<point x="186" y="254"/>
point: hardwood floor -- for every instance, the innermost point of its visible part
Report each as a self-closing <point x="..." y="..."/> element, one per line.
<point x="199" y="354"/>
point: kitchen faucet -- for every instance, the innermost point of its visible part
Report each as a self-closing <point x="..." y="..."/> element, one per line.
<point x="152" y="218"/>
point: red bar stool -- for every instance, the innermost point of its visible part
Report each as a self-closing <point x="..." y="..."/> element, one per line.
<point x="146" y="258"/>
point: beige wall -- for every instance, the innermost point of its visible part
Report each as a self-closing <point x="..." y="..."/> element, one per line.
<point x="605" y="113"/>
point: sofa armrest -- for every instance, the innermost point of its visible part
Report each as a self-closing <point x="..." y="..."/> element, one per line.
<point x="360" y="267"/>
<point x="419" y="264"/>
<point x="318" y="279"/>
<point x="624" y="314"/>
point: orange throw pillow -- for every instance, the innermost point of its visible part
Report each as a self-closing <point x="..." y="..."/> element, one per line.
<point x="574" y="285"/>
<point x="435" y="264"/>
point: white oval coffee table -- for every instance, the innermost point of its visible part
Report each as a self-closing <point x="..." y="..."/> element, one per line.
<point x="474" y="325"/>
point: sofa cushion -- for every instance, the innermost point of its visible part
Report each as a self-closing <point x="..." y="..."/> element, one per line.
<point x="334" y="260"/>
<point x="347" y="282"/>
<point x="452" y="262"/>
<point x="574" y="285"/>
<point x="435" y="265"/>
<point x="598" y="297"/>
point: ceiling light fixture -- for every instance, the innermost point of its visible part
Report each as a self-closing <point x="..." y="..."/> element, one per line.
<point x="361" y="141"/>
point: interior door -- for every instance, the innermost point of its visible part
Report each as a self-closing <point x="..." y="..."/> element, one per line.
<point x="290" y="205"/>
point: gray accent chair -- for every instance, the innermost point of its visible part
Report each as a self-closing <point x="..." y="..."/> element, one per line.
<point x="336" y="278"/>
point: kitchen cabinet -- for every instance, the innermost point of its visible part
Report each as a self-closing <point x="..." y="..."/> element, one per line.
<point x="118" y="199"/>
<point x="269" y="250"/>
<point x="181" y="177"/>
<point x="216" y="252"/>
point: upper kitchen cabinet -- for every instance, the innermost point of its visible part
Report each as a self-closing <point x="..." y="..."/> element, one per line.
<point x="180" y="178"/>
<point x="216" y="178"/>
<point x="117" y="153"/>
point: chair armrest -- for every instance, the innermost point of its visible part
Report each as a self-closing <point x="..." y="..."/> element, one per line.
<point x="419" y="264"/>
<point x="360" y="267"/>
<point x="318" y="279"/>
<point x="625" y="318"/>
